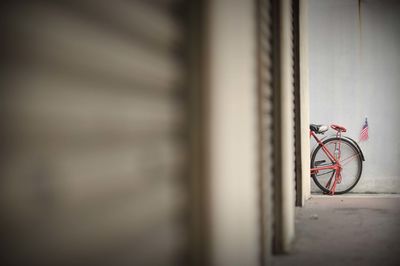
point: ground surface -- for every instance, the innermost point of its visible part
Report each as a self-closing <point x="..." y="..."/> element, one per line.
<point x="346" y="230"/>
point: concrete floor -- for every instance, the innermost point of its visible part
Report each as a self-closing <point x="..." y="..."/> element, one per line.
<point x="346" y="230"/>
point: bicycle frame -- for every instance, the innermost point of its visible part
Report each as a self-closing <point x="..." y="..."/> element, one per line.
<point x="336" y="166"/>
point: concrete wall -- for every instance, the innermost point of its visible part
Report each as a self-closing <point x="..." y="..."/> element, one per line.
<point x="354" y="61"/>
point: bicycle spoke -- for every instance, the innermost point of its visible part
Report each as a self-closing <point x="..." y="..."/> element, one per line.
<point x="348" y="158"/>
<point x="331" y="171"/>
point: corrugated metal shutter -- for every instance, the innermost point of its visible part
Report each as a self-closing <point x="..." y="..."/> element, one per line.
<point x="265" y="81"/>
<point x="284" y="152"/>
<point x="297" y="102"/>
<point x="94" y="133"/>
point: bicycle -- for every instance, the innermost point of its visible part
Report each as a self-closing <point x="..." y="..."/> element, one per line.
<point x="336" y="162"/>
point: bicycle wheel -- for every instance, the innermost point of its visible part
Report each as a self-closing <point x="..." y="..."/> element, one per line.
<point x="350" y="160"/>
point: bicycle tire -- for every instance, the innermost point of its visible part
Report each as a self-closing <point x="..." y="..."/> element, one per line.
<point x="350" y="176"/>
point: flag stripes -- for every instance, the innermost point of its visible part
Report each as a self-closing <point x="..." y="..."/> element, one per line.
<point x="364" y="131"/>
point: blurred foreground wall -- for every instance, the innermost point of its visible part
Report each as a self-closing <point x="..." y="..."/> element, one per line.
<point x="94" y="142"/>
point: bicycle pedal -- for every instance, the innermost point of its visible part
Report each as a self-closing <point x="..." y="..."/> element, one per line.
<point x="319" y="162"/>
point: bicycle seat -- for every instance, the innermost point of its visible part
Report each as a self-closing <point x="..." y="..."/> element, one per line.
<point x="319" y="129"/>
<point x="338" y="128"/>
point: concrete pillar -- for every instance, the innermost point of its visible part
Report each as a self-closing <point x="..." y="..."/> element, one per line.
<point x="232" y="148"/>
<point x="287" y="127"/>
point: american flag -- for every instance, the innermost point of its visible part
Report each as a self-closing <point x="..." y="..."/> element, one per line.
<point x="364" y="131"/>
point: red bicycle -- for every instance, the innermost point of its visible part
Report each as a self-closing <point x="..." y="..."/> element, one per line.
<point x="336" y="162"/>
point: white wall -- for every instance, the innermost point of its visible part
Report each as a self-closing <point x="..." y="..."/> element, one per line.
<point x="354" y="62"/>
